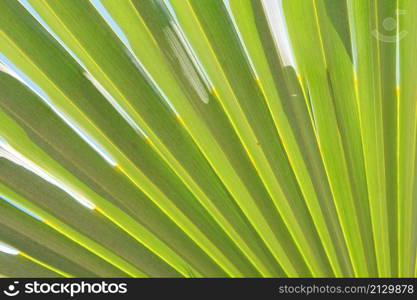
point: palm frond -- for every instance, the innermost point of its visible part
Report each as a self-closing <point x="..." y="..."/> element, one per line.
<point x="172" y="138"/>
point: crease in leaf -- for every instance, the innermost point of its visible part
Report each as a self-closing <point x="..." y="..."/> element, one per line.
<point x="4" y="248"/>
<point x="186" y="65"/>
<point x="45" y="265"/>
<point x="129" y="52"/>
<point x="38" y="18"/>
<point x="115" y="104"/>
<point x="276" y="22"/>
<point x="6" y="69"/>
<point x="22" y="208"/>
<point x="8" y="152"/>
<point x="19" y="75"/>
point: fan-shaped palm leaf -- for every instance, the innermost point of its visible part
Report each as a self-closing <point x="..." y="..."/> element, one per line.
<point x="156" y="138"/>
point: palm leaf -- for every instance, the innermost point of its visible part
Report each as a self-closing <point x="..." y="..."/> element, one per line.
<point x="170" y="138"/>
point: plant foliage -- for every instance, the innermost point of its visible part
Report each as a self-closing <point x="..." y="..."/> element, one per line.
<point x="156" y="138"/>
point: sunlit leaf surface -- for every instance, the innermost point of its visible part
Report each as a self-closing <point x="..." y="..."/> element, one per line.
<point x="208" y="138"/>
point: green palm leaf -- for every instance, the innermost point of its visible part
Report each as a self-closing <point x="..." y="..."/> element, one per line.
<point x="171" y="138"/>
